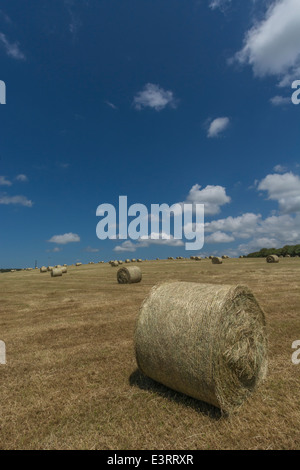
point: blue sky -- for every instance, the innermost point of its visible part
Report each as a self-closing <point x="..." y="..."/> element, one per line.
<point x="164" y="101"/>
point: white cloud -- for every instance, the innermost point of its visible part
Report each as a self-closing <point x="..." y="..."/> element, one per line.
<point x="126" y="246"/>
<point x="280" y="169"/>
<point x="213" y="197"/>
<point x="65" y="238"/>
<point x="155" y="97"/>
<point x="17" y="200"/>
<point x="55" y="250"/>
<point x="22" y="178"/>
<point x="271" y="46"/>
<point x="4" y="181"/>
<point x="243" y="226"/>
<point x="221" y="4"/>
<point x="12" y="49"/>
<point x="145" y="242"/>
<point x="283" y="188"/>
<point x="280" y="100"/>
<point x="219" y="237"/>
<point x="111" y="105"/>
<point x="217" y="126"/>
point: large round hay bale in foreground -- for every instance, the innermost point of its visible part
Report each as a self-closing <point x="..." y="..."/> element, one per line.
<point x="216" y="260"/>
<point x="272" y="259"/>
<point x="43" y="269"/>
<point x="56" y="272"/>
<point x="129" y="275"/>
<point x="207" y="341"/>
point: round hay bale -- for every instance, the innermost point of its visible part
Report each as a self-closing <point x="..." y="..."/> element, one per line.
<point x="78" y="264"/>
<point x="272" y="259"/>
<point x="114" y="264"/>
<point x="287" y="256"/>
<point x="49" y="268"/>
<point x="216" y="260"/>
<point x="127" y="261"/>
<point x="197" y="258"/>
<point x="129" y="275"/>
<point x="58" y="266"/>
<point x="139" y="260"/>
<point x="65" y="265"/>
<point x="56" y="272"/>
<point x="64" y="270"/>
<point x="43" y="269"/>
<point x="120" y="262"/>
<point x="207" y="341"/>
<point x="133" y="260"/>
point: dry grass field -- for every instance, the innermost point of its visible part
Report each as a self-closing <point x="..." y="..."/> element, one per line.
<point x="71" y="381"/>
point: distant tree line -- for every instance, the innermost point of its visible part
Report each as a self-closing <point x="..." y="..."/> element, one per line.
<point x="292" y="250"/>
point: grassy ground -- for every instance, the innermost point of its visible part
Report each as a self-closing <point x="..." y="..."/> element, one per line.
<point x="71" y="379"/>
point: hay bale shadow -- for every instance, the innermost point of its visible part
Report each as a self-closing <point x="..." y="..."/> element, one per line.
<point x="138" y="379"/>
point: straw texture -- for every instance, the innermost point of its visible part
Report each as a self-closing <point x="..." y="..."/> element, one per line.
<point x="129" y="275"/>
<point x="207" y="341"/>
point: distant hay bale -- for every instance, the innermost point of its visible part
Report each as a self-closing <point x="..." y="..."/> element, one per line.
<point x="78" y="264"/>
<point x="49" y="268"/>
<point x="224" y="257"/>
<point x="127" y="261"/>
<point x="56" y="272"/>
<point x="197" y="258"/>
<point x="133" y="260"/>
<point x="241" y="256"/>
<point x="139" y="260"/>
<point x="157" y="259"/>
<point x="192" y="257"/>
<point x="272" y="259"/>
<point x="216" y="260"/>
<point x="120" y="261"/>
<point x="64" y="270"/>
<point x="287" y="256"/>
<point x="207" y="341"/>
<point x="114" y="264"/>
<point x="129" y="275"/>
<point x="65" y="266"/>
<point x="58" y="266"/>
<point x="43" y="269"/>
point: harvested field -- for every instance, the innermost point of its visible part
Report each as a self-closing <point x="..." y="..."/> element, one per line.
<point x="71" y="380"/>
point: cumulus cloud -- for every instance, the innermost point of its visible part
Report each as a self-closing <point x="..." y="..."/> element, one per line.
<point x="111" y="105"/>
<point x="126" y="246"/>
<point x="274" y="231"/>
<point x="280" y="168"/>
<point x="16" y="200"/>
<point x="217" y="126"/>
<point x="243" y="226"/>
<point x="271" y="46"/>
<point x="22" y="178"/>
<point x="4" y="181"/>
<point x="153" y="239"/>
<point x="155" y="97"/>
<point x="213" y="197"/>
<point x="221" y="4"/>
<point x="65" y="238"/>
<point x="219" y="237"/>
<point x="280" y="100"/>
<point x="12" y="49"/>
<point x="283" y="188"/>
